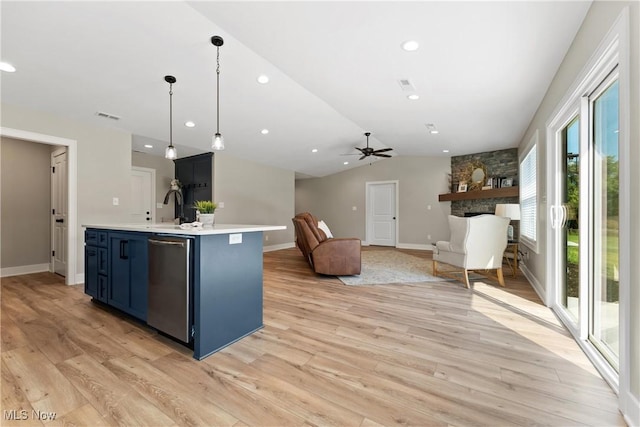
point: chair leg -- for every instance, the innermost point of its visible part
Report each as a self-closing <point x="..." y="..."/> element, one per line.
<point x="466" y="278"/>
<point x="500" y="277"/>
<point x="435" y="267"/>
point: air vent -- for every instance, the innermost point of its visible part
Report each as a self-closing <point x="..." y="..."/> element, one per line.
<point x="406" y="85"/>
<point x="107" y="115"/>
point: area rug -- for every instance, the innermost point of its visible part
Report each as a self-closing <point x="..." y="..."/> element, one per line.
<point x="388" y="266"/>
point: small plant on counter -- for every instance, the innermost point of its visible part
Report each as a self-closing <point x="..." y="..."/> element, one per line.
<point x="205" y="206"/>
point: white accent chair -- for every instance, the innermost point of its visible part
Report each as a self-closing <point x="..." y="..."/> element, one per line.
<point x="476" y="243"/>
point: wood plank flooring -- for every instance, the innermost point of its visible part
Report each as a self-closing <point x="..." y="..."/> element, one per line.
<point x="427" y="354"/>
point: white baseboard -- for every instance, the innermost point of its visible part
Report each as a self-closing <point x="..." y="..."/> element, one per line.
<point x="278" y="247"/>
<point x="537" y="286"/>
<point x="631" y="413"/>
<point x="416" y="246"/>
<point x="24" y="269"/>
<point x="79" y="279"/>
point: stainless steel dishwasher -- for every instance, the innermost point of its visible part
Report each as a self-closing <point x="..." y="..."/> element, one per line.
<point x="168" y="308"/>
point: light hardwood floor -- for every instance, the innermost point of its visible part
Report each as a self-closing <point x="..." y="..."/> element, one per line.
<point x="428" y="354"/>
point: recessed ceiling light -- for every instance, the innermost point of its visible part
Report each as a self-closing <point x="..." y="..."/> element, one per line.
<point x="432" y="129"/>
<point x="410" y="45"/>
<point x="189" y="124"/>
<point x="262" y="79"/>
<point x="148" y="146"/>
<point x="445" y="151"/>
<point x="345" y="163"/>
<point x="413" y="97"/>
<point x="434" y="132"/>
<point x="264" y="131"/>
<point x="315" y="150"/>
<point x="5" y="66"/>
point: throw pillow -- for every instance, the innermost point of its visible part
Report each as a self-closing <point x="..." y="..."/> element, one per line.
<point x="322" y="226"/>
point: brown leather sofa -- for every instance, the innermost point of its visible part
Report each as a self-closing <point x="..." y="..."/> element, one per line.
<point x="335" y="256"/>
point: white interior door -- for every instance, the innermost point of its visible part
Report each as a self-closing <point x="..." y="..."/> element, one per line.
<point x="142" y="195"/>
<point x="59" y="228"/>
<point x="381" y="213"/>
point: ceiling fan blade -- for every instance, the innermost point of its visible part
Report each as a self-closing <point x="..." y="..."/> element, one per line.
<point x="363" y="157"/>
<point x="381" y="155"/>
<point x="382" y="150"/>
<point x="359" y="149"/>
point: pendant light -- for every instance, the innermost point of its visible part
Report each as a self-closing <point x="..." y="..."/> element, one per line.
<point x="217" y="143"/>
<point x="170" y="153"/>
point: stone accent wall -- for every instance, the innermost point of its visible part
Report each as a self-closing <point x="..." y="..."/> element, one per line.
<point x="502" y="163"/>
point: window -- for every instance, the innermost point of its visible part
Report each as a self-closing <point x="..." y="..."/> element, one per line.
<point x="529" y="195"/>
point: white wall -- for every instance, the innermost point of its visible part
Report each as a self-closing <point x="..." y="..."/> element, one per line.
<point x="253" y="193"/>
<point x="421" y="179"/>
<point x="104" y="166"/>
<point x="26" y="204"/>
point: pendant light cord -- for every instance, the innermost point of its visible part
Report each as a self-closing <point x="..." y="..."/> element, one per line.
<point x="171" y="114"/>
<point x="218" y="91"/>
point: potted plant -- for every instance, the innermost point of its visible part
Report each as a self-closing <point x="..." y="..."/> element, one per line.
<point x="205" y="212"/>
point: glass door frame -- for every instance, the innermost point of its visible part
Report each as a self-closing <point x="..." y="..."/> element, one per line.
<point x="605" y="84"/>
<point x="555" y="273"/>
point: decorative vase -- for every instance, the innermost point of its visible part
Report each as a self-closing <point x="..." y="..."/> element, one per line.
<point x="207" y="220"/>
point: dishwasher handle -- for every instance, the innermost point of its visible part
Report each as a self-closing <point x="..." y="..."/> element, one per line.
<point x="167" y="243"/>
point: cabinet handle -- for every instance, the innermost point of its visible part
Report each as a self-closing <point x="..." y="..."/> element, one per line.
<point x="123" y="255"/>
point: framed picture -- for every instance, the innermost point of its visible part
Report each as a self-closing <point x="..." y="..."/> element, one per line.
<point x="462" y="188"/>
<point x="507" y="182"/>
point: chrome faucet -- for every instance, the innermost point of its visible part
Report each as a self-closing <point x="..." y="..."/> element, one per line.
<point x="177" y="194"/>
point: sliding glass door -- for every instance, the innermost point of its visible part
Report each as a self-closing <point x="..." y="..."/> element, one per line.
<point x="584" y="206"/>
<point x="604" y="291"/>
<point x="570" y="226"/>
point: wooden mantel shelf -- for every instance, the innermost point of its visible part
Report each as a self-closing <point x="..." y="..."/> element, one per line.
<point x="481" y="194"/>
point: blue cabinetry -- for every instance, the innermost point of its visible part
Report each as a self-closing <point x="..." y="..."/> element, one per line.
<point x="128" y="273"/>
<point x="225" y="293"/>
<point x="96" y="264"/>
<point x="116" y="270"/>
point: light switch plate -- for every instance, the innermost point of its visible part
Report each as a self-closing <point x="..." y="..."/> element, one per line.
<point x="221" y="205"/>
<point x="159" y="205"/>
<point x="116" y="201"/>
<point x="234" y="239"/>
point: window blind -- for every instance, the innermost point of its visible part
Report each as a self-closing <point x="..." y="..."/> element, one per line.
<point x="528" y="195"/>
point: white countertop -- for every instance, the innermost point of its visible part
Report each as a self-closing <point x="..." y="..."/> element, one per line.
<point x="166" y="228"/>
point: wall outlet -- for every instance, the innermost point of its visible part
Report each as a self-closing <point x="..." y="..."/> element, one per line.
<point x="266" y="237"/>
<point x="116" y="201"/>
<point x="354" y="208"/>
<point x="220" y="205"/>
<point x="159" y="205"/>
<point x="428" y="236"/>
<point x="234" y="239"/>
<point x="428" y="207"/>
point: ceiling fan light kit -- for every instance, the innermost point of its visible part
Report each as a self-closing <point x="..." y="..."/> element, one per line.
<point x="218" y="141"/>
<point x="170" y="153"/>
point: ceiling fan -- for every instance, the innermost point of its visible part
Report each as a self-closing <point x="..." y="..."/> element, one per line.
<point x="368" y="151"/>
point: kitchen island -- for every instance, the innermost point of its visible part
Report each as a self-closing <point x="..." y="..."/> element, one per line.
<point x="223" y="271"/>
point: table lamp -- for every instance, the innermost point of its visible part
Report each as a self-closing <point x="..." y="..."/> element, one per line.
<point x="511" y="211"/>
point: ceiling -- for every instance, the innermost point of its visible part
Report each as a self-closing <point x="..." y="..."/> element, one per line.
<point x="481" y="71"/>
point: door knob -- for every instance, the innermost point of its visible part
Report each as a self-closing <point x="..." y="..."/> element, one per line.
<point x="148" y="219"/>
<point x="394" y="217"/>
